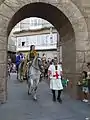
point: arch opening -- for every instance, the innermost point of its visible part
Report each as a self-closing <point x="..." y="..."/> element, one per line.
<point x="63" y="26"/>
<point x="42" y="10"/>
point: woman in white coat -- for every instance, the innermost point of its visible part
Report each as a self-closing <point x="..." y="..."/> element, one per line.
<point x="55" y="73"/>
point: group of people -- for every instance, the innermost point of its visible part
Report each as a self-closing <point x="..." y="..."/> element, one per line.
<point x="53" y="70"/>
<point x="11" y="67"/>
<point x="84" y="84"/>
<point x="22" y="62"/>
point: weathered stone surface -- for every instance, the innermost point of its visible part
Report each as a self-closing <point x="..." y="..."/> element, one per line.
<point x="79" y="67"/>
<point x="2" y="70"/>
<point x="81" y="36"/>
<point x="52" y="2"/>
<point x="82" y="45"/>
<point x="3" y="40"/>
<point x="85" y="3"/>
<point x="3" y="31"/>
<point x="87" y="56"/>
<point x="1" y="1"/>
<point x="3" y="46"/>
<point x="6" y="11"/>
<point x="3" y="56"/>
<point x="66" y="8"/>
<point x="80" y="25"/>
<point x="69" y="57"/>
<point x="3" y="25"/>
<point x="4" y="21"/>
<point x="80" y="57"/>
<point x="2" y="84"/>
<point x="16" y="4"/>
<point x="3" y="97"/>
<point x="88" y="23"/>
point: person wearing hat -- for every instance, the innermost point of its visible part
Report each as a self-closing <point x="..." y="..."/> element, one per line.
<point x="54" y="74"/>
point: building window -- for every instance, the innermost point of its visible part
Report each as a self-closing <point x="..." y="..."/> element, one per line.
<point x="23" y="44"/>
<point x="31" y="22"/>
<point x="35" y="22"/>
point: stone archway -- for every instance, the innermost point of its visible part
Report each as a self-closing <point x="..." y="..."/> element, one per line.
<point x="66" y="18"/>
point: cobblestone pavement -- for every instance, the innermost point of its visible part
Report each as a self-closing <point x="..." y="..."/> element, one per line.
<point x="20" y="106"/>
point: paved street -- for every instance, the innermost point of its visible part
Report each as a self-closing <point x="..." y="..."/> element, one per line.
<point x="20" y="106"/>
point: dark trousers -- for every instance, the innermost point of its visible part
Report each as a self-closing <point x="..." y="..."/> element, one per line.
<point x="59" y="94"/>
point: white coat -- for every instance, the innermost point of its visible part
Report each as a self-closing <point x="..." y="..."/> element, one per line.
<point x="55" y="77"/>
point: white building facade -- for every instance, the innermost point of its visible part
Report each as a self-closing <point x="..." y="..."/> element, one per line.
<point x="38" y="32"/>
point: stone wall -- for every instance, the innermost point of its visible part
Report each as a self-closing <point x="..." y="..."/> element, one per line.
<point x="83" y="46"/>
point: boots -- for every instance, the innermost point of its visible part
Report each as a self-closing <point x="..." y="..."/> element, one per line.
<point x="59" y="98"/>
<point x="54" y="96"/>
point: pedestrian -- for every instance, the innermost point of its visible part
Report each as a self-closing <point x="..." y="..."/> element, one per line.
<point x="55" y="73"/>
<point x="88" y="77"/>
<point x="43" y="59"/>
<point x="17" y="61"/>
<point x="46" y="69"/>
<point x="84" y="86"/>
<point x="28" y="60"/>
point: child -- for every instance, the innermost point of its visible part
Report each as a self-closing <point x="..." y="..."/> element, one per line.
<point x="85" y="86"/>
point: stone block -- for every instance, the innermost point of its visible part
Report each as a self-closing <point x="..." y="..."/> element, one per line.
<point x="3" y="31"/>
<point x="79" y="25"/>
<point x="6" y="11"/>
<point x="80" y="56"/>
<point x="52" y="2"/>
<point x="3" y="70"/>
<point x="4" y="21"/>
<point x="79" y="67"/>
<point x="83" y="35"/>
<point x="2" y="84"/>
<point x="3" y="46"/>
<point x="1" y="1"/>
<point x="87" y="56"/>
<point x="15" y="5"/>
<point x="86" y="11"/>
<point x="69" y="56"/>
<point x="3" y="40"/>
<point x="88" y="23"/>
<point x="72" y="85"/>
<point x="82" y="45"/>
<point x="65" y="8"/>
<point x="85" y="3"/>
<point x="70" y="10"/>
<point x="3" y="56"/>
<point x="3" y="97"/>
<point x="3" y="25"/>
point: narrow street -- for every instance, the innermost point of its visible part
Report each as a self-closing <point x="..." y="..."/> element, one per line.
<point x="20" y="106"/>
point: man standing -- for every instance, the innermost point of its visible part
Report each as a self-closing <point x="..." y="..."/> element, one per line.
<point x="88" y="77"/>
<point x="17" y="61"/>
<point x="55" y="73"/>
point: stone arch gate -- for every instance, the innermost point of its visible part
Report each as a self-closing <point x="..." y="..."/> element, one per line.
<point x="66" y="18"/>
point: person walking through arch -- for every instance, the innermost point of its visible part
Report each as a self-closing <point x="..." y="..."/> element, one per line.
<point x="28" y="60"/>
<point x="88" y="77"/>
<point x="54" y="74"/>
